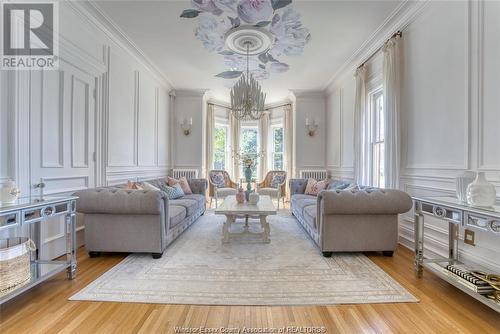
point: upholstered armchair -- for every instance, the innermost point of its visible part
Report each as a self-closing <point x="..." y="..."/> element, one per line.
<point x="220" y="185"/>
<point x="274" y="185"/>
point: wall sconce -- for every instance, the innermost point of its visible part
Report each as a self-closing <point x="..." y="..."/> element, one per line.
<point x="186" y="126"/>
<point x="311" y="127"/>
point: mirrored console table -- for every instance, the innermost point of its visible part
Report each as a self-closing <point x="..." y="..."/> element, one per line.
<point x="24" y="218"/>
<point x="458" y="215"/>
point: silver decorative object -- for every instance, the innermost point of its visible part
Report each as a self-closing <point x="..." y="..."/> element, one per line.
<point x="247" y="98"/>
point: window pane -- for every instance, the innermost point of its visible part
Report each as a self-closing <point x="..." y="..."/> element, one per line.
<point x="278" y="161"/>
<point x="278" y="139"/>
<point x="220" y="147"/>
<point x="377" y="154"/>
<point x="248" y="145"/>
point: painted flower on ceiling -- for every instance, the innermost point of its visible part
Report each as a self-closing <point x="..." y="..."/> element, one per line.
<point x="217" y="17"/>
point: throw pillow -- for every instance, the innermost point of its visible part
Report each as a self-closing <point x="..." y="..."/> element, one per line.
<point x="182" y="182"/>
<point x="133" y="185"/>
<point x="218" y="180"/>
<point x="277" y="180"/>
<point x="338" y="185"/>
<point x="352" y="187"/>
<point x="149" y="186"/>
<point x="314" y="187"/>
<point x="174" y="192"/>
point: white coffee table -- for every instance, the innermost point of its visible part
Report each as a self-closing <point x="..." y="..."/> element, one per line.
<point x="232" y="209"/>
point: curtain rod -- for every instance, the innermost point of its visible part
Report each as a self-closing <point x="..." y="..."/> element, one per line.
<point x="279" y="106"/>
<point x="218" y="105"/>
<point x="399" y="33"/>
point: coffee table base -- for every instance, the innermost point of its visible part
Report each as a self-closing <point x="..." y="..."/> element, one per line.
<point x="231" y="219"/>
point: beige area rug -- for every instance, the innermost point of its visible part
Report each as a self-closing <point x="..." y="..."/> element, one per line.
<point x="198" y="269"/>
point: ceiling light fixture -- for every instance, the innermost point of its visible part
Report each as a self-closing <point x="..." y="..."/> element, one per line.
<point x="247" y="98"/>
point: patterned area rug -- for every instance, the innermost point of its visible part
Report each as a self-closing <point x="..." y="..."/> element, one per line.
<point x="198" y="269"/>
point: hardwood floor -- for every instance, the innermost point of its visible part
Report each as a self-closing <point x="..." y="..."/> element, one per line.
<point x="442" y="308"/>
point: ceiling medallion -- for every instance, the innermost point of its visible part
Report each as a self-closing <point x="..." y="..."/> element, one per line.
<point x="273" y="27"/>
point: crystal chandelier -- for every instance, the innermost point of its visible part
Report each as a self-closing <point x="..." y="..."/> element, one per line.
<point x="247" y="98"/>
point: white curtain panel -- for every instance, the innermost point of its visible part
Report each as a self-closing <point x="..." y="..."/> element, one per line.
<point x="264" y="133"/>
<point x="288" y="134"/>
<point x="361" y="168"/>
<point x="234" y="130"/>
<point x="391" y="83"/>
<point x="209" y="146"/>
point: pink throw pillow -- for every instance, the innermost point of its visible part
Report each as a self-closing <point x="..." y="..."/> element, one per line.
<point x="182" y="182"/>
<point x="314" y="187"/>
<point x="133" y="185"/>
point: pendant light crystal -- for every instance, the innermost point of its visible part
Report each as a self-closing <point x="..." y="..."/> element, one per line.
<point x="247" y="98"/>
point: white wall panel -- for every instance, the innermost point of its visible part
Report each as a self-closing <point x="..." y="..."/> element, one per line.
<point x="122" y="111"/>
<point x="489" y="113"/>
<point x="147" y="121"/>
<point x="163" y="128"/>
<point x="310" y="151"/>
<point x="334" y="126"/>
<point x="189" y="149"/>
<point x="52" y="117"/>
<point x="348" y="98"/>
<point x="79" y="123"/>
<point x="435" y="91"/>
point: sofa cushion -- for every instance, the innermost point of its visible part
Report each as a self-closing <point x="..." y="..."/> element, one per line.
<point x="309" y="213"/>
<point x="190" y="205"/>
<point x="338" y="185"/>
<point x="300" y="200"/>
<point x="200" y="199"/>
<point x="177" y="214"/>
<point x="223" y="192"/>
<point x="268" y="191"/>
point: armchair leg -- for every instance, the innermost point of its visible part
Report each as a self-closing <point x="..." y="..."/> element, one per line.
<point x="156" y="255"/>
<point x="210" y="202"/>
<point x="388" y="253"/>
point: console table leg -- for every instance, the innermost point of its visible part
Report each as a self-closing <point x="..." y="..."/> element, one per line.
<point x="71" y="271"/>
<point x="419" y="241"/>
<point x="453" y="241"/>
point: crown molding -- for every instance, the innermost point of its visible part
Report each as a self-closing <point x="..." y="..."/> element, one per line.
<point x="399" y="19"/>
<point x="308" y="93"/>
<point x="91" y="11"/>
<point x="190" y="92"/>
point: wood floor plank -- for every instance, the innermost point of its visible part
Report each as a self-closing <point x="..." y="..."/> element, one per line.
<point x="442" y="308"/>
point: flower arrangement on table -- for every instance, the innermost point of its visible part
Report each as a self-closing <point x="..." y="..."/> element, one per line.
<point x="248" y="161"/>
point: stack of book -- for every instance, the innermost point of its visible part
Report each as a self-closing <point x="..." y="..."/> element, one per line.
<point x="462" y="275"/>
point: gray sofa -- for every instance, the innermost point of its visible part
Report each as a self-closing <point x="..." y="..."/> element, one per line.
<point x="137" y="221"/>
<point x="350" y="221"/>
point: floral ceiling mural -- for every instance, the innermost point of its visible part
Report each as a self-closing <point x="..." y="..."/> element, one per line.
<point x="277" y="17"/>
